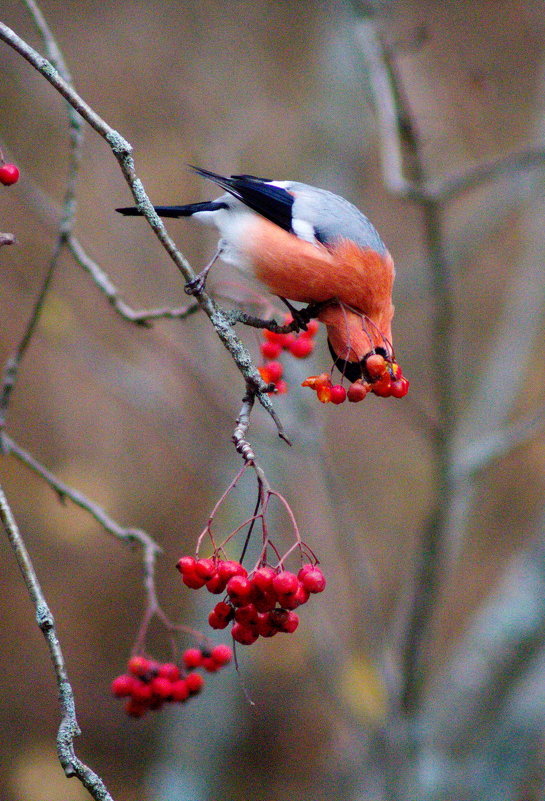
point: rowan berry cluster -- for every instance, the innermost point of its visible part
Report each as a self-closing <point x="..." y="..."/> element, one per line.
<point x="299" y="345"/>
<point x="381" y="376"/>
<point x="259" y="604"/>
<point x="149" y="684"/>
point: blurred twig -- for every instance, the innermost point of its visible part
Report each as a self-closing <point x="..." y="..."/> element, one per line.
<point x="130" y="535"/>
<point x="454" y="462"/>
<point x="66" y="225"/>
<point x="68" y="728"/>
<point x="105" y="284"/>
<point x="396" y="129"/>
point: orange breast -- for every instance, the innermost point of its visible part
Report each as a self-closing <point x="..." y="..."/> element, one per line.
<point x="361" y="279"/>
<point x="301" y="271"/>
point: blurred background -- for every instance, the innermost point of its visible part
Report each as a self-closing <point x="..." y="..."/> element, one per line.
<point x="140" y="419"/>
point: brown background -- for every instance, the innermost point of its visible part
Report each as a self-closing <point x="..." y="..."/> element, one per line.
<point x="140" y="420"/>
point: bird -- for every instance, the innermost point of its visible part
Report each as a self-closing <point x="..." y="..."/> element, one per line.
<point x="306" y="245"/>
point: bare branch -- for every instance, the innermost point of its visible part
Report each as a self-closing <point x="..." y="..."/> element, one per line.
<point x="451" y="187"/>
<point x="105" y="284"/>
<point x="68" y="728"/>
<point x="63" y="490"/>
<point x="479" y="453"/>
<point x="386" y="107"/>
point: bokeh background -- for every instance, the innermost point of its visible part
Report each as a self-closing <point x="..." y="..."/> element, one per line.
<point x="140" y="420"/>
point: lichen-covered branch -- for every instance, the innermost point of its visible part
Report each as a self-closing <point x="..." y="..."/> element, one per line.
<point x="68" y="728"/>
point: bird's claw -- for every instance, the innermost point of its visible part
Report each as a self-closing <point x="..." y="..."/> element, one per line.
<point x="196" y="285"/>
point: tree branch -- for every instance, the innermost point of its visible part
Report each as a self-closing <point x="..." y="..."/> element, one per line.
<point x="108" y="288"/>
<point x="68" y="728"/>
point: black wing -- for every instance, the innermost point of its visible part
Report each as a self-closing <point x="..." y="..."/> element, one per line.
<point x="272" y="202"/>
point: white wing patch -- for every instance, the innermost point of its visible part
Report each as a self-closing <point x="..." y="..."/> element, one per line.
<point x="304" y="230"/>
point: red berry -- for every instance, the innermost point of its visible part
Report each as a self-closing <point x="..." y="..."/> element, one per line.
<point x="134" y="709"/>
<point x="9" y="174"/>
<point x="265" y="627"/>
<point x="209" y="664"/>
<point x="275" y="371"/>
<point x="193" y="581"/>
<point x="376" y="365"/>
<point x="192" y="657"/>
<point x="383" y="386"/>
<point x="281" y="387"/>
<point x="295" y="599"/>
<point x="122" y="686"/>
<point x="139" y="665"/>
<point x="314" y="580"/>
<point x="357" y="391"/>
<point x="224" y="610"/>
<point x="216" y="584"/>
<point x="142" y="692"/>
<point x="399" y="387"/>
<point x="312" y="329"/>
<point x="180" y="690"/>
<point x="270" y="350"/>
<point x="194" y="682"/>
<point x="265" y="600"/>
<point x="228" y="568"/>
<point x="217" y="622"/>
<point x="338" y="394"/>
<point x="221" y="654"/>
<point x="247" y="614"/>
<point x="301" y="347"/>
<point x="262" y="578"/>
<point x="272" y="336"/>
<point x="285" y="583"/>
<point x="243" y="634"/>
<point x="290" y="622"/>
<point x="240" y="590"/>
<point x="169" y="671"/>
<point x="186" y="564"/>
<point x="161" y="687"/>
<point x="205" y="568"/>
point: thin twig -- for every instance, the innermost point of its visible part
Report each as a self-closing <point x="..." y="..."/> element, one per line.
<point x="68" y="728"/>
<point x="129" y="535"/>
<point x="11" y="368"/>
<point x="106" y="285"/>
<point x="478" y="454"/>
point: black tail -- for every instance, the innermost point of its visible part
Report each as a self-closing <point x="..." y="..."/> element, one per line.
<point x="176" y="211"/>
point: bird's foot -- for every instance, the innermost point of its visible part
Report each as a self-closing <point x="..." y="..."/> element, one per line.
<point x="196" y="285"/>
<point x="302" y="317"/>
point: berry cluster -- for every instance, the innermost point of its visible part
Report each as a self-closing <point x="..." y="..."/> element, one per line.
<point x="149" y="684"/>
<point x="299" y="345"/>
<point x="259" y="604"/>
<point x="9" y="174"/>
<point x="382" y="377"/>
